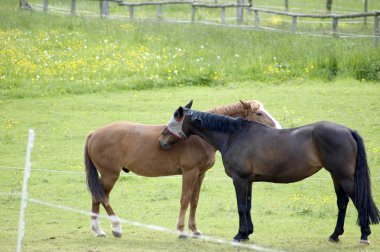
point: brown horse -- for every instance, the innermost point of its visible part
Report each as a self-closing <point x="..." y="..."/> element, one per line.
<point x="134" y="147"/>
<point x="254" y="152"/>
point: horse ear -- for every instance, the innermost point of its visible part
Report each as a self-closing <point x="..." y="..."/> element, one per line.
<point x="246" y="105"/>
<point x="180" y="113"/>
<point x="189" y="104"/>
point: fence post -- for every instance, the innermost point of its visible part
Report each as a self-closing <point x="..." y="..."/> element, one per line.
<point x="24" y="193"/>
<point x="24" y="4"/>
<point x="223" y="15"/>
<point x="240" y="11"/>
<point x="46" y="5"/>
<point x="104" y="8"/>
<point x="294" y="24"/>
<point x="257" y="19"/>
<point x="73" y="7"/>
<point x="377" y="33"/>
<point x="131" y="12"/>
<point x="192" y="13"/>
<point x="159" y="12"/>
<point x="335" y="32"/>
<point x="329" y="5"/>
<point x="365" y="10"/>
<point x="286" y="5"/>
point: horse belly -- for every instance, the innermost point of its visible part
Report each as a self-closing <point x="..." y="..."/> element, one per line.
<point x="287" y="169"/>
<point x="154" y="167"/>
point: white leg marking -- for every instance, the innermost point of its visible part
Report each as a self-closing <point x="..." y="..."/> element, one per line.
<point x="96" y="228"/>
<point x="115" y="225"/>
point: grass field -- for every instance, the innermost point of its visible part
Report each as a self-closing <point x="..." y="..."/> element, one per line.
<point x="294" y="217"/>
<point x="63" y="78"/>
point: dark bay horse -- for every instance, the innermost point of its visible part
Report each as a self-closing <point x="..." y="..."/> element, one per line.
<point x="253" y="152"/>
<point x="133" y="147"/>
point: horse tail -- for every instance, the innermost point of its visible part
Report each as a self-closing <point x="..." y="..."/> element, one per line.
<point x="92" y="178"/>
<point x="368" y="212"/>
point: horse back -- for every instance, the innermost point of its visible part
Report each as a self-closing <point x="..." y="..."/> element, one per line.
<point x="289" y="155"/>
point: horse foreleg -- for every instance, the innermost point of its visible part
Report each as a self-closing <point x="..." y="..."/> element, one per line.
<point x="194" y="204"/>
<point x="241" y="189"/>
<point x="248" y="212"/>
<point x="342" y="201"/>
<point x="95" y="223"/>
<point x="188" y="179"/>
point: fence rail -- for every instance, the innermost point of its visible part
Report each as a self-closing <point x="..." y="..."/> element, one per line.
<point x="335" y="19"/>
<point x="240" y="7"/>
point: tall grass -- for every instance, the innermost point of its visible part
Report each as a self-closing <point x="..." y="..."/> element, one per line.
<point x="45" y="54"/>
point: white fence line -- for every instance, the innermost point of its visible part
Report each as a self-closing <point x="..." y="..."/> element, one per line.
<point x="155" y="227"/>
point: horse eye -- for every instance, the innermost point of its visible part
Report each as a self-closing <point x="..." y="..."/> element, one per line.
<point x="259" y="113"/>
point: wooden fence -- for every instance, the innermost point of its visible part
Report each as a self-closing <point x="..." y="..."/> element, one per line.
<point x="240" y="6"/>
<point x="335" y="18"/>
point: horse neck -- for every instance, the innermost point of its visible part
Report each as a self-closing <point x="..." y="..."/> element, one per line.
<point x="216" y="139"/>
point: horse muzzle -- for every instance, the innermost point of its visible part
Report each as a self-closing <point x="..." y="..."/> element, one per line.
<point x="165" y="146"/>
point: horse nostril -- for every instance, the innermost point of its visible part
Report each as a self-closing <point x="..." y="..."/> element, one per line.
<point x="165" y="146"/>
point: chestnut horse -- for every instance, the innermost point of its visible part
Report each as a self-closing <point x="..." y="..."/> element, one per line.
<point x="254" y="152"/>
<point x="134" y="147"/>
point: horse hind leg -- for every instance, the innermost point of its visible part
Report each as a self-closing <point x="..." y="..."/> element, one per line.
<point x="342" y="201"/>
<point x="363" y="222"/>
<point x="108" y="184"/>
<point x="95" y="222"/>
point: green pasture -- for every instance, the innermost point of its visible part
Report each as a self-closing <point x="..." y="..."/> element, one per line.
<point x="294" y="217"/>
<point x="64" y="76"/>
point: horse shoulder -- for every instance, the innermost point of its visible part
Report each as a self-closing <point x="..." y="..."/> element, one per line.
<point x="197" y="153"/>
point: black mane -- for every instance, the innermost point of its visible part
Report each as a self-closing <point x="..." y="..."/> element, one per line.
<point x="218" y="122"/>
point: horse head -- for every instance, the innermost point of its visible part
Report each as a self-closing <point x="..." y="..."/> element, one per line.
<point x="251" y="110"/>
<point x="173" y="131"/>
<point x="255" y="111"/>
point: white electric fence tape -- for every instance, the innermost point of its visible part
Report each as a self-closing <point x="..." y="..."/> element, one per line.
<point x="24" y="194"/>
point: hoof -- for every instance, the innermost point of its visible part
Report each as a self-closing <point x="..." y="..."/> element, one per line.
<point x="241" y="240"/>
<point x="182" y="236"/>
<point x="334" y="240"/>
<point x="365" y="242"/>
<point x="117" y="234"/>
<point x="98" y="231"/>
<point x="240" y="237"/>
<point x="197" y="234"/>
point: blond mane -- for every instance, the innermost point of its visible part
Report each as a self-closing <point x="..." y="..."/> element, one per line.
<point x="236" y="108"/>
